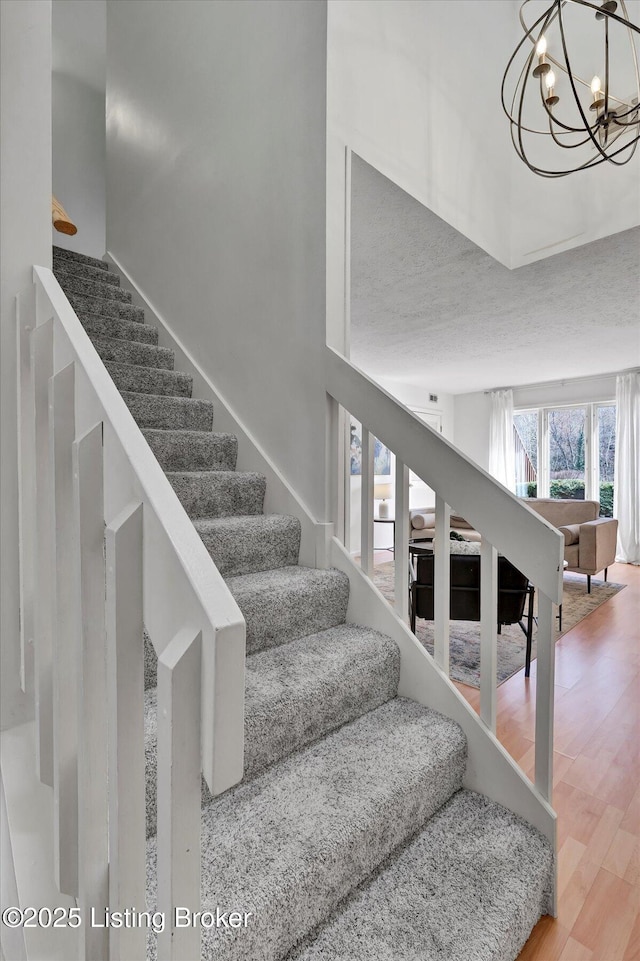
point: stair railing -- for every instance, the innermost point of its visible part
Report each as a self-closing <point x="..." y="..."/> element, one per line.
<point x="108" y="551"/>
<point x="507" y="526"/>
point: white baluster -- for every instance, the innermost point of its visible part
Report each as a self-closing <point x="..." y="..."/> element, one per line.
<point x="488" y="633"/>
<point x="42" y="364"/>
<point x="441" y="582"/>
<point x="401" y="540"/>
<point x="545" y="690"/>
<point x="366" y="503"/>
<point x="179" y="679"/>
<point x="65" y="634"/>
<point x="337" y="458"/>
<point x="125" y="687"/>
<point x="93" y="840"/>
<point x="26" y="493"/>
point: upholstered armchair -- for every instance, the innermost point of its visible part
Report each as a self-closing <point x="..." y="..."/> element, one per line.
<point x="589" y="540"/>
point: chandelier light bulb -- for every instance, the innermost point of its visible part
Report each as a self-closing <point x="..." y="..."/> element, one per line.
<point x="550" y="80"/>
<point x="542" y="67"/>
<point x="596" y="85"/>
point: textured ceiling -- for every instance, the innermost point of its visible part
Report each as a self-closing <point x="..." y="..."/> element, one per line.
<point x="430" y="308"/>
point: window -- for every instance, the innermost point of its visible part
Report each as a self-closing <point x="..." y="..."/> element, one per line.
<point x="566" y="452"/>
<point x="567" y="445"/>
<point x="525" y="437"/>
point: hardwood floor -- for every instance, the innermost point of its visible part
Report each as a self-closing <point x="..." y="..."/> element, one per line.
<point x="596" y="781"/>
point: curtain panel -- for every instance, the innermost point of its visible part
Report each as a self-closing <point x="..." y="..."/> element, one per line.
<point x="502" y="464"/>
<point x="626" y="504"/>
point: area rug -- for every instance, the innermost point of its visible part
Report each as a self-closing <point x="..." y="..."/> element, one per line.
<point x="464" y="636"/>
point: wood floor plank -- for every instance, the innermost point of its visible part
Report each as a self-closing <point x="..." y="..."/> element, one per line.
<point x="569" y="857"/>
<point x="631" y="820"/>
<point x="608" y="916"/>
<point x="547" y="941"/>
<point x="602" y="837"/>
<point x="622" y="851"/>
<point x="574" y="951"/>
<point x="632" y="950"/>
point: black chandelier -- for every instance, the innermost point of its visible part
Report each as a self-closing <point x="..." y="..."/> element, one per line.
<point x="588" y="115"/>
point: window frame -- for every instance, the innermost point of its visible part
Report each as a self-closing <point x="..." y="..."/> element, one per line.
<point x="591" y="445"/>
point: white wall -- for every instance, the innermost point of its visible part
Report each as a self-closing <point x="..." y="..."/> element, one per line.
<point x="216" y="144"/>
<point x="395" y="99"/>
<point x="416" y="396"/>
<point x="79" y="162"/>
<point x="471" y="434"/>
<point x="25" y="239"/>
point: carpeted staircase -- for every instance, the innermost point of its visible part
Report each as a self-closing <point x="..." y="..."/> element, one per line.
<point x="350" y="836"/>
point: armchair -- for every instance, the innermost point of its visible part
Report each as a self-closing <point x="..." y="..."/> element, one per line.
<point x="589" y="540"/>
<point x="464" y="603"/>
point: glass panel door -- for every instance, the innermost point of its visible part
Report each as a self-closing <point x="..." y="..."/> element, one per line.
<point x="606" y="427"/>
<point x="525" y="438"/>
<point x="567" y="452"/>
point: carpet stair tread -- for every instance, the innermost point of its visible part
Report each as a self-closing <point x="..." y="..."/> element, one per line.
<point x="290" y="844"/>
<point x="69" y="268"/>
<point x="114" y="327"/>
<point x="150" y="380"/>
<point x="219" y="493"/>
<point x="91" y="287"/>
<point x="163" y="411"/>
<point x="135" y="354"/>
<point x="243" y="545"/>
<point x="187" y="450"/>
<point x="62" y="253"/>
<point x="105" y="307"/>
<point x="289" y="602"/>
<point x="296" y="694"/>
<point x="314" y="685"/>
<point x="469" y="887"/>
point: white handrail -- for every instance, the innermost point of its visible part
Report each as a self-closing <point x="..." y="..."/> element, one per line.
<point x="506" y="524"/>
<point x="182" y="594"/>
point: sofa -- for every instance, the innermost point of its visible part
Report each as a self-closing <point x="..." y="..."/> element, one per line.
<point x="422" y="523"/>
<point x="589" y="540"/>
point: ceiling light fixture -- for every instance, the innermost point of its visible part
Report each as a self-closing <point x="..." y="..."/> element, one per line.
<point x="558" y="110"/>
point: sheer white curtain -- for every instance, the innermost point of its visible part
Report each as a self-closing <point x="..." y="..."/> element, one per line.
<point x="626" y="497"/>
<point x="501" y="447"/>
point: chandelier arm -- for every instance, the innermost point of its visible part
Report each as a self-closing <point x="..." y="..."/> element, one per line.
<point x="565" y="126"/>
<point x="565" y="146"/>
<point x="573" y="86"/>
<point x="626" y="113"/>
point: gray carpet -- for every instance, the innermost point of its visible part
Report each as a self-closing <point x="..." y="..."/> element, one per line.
<point x="351" y="798"/>
<point x="464" y="638"/>
<point x="476" y="876"/>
